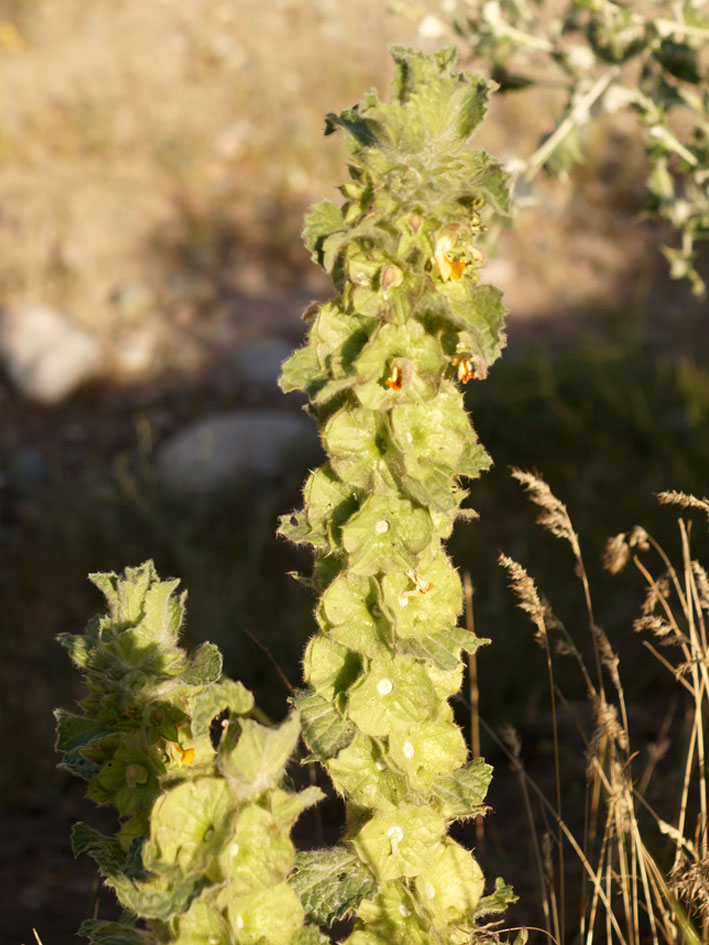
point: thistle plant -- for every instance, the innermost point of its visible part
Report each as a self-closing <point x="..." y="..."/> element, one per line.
<point x="643" y="59"/>
<point x="202" y="853"/>
<point x="410" y="322"/>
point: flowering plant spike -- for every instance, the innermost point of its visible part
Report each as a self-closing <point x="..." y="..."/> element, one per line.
<point x="203" y="848"/>
<point x="202" y="854"/>
<point x="412" y="320"/>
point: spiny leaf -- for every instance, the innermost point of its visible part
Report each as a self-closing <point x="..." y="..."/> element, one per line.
<point x="443" y="648"/>
<point x="100" y="932"/>
<point x="462" y="793"/>
<point x="331" y="883"/>
<point x="325" y="731"/>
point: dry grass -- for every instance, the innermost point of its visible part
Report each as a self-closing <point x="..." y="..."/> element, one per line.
<point x="645" y="872"/>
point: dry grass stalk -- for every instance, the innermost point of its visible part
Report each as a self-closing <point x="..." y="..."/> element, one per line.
<point x="673" y="497"/>
<point x="654" y="903"/>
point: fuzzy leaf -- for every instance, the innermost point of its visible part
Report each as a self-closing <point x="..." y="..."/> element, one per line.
<point x="204" y="667"/>
<point x="261" y="754"/>
<point x="324" y="730"/>
<point x="257" y="854"/>
<point x="329" y="667"/>
<point x="330" y="883"/>
<point x="188" y="824"/>
<point x="226" y="694"/>
<point x="387" y="532"/>
<point x="202" y="923"/>
<point x="73" y="731"/>
<point x="322" y="221"/>
<point x="497" y="901"/>
<point x="100" y="932"/>
<point x="462" y="793"/>
<point x="301" y="371"/>
<point x="443" y="648"/>
<point x="414" y="611"/>
<point x="80" y="767"/>
<point x="309" y="935"/>
<point x="347" y="612"/>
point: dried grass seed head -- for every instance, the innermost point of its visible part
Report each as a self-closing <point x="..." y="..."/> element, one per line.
<point x="527" y="595"/>
<point x="701" y="579"/>
<point x="554" y="516"/>
<point x="684" y="499"/>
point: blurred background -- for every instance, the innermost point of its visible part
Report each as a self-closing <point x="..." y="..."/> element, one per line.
<point x="156" y="160"/>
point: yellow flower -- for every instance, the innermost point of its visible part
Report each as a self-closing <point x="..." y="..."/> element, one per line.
<point x="448" y="267"/>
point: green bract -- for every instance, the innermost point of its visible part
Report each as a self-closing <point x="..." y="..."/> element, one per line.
<point x="411" y="321"/>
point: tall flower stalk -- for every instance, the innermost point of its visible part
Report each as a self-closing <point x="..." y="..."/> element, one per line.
<point x="411" y="322"/>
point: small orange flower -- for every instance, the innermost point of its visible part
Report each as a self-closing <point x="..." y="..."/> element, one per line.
<point x="422" y="585"/>
<point x="448" y="267"/>
<point x="184" y="755"/>
<point x="395" y="378"/>
<point x="466" y="369"/>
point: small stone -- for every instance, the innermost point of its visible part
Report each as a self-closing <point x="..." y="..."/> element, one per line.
<point x="246" y="446"/>
<point x="46" y="356"/>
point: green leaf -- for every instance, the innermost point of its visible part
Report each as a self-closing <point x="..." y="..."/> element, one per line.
<point x="329" y="667"/>
<point x="80" y="767"/>
<point x="325" y="731"/>
<point x="392" y="916"/>
<point x="73" y="731"/>
<point x="105" y="851"/>
<point x="204" y="667"/>
<point x="202" y="923"/>
<point x="100" y="932"/>
<point x="414" y="609"/>
<point x="497" y="901"/>
<point x="322" y="221"/>
<point x="301" y="371"/>
<point x="331" y="883"/>
<point x="443" y="648"/>
<point x="260" y="755"/>
<point x="217" y="697"/>
<point x="480" y="310"/>
<point x="309" y="935"/>
<point x="462" y="793"/>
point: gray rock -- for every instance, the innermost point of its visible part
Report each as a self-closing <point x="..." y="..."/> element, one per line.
<point x="259" y="361"/>
<point x="45" y="355"/>
<point x="227" y="449"/>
